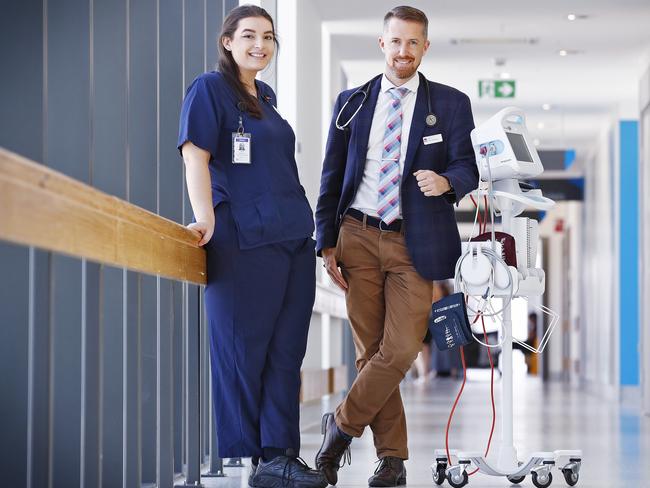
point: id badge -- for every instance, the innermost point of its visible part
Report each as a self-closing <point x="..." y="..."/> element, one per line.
<point x="241" y="148"/>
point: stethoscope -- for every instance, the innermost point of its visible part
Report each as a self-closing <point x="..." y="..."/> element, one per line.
<point x="430" y="119"/>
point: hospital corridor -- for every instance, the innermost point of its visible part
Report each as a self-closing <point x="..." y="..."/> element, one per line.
<point x="311" y="243"/>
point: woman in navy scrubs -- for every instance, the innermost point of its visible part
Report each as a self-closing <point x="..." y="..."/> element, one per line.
<point x="256" y="224"/>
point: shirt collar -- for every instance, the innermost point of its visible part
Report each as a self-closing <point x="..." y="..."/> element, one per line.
<point x="412" y="85"/>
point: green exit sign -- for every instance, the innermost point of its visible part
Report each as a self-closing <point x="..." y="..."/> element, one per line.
<point x="496" y="88"/>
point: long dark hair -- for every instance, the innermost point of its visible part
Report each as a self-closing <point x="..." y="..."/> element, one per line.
<point x="227" y="65"/>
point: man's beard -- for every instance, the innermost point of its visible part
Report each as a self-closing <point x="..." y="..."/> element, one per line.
<point x="404" y="72"/>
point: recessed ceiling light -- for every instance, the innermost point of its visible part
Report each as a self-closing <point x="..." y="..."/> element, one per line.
<point x="569" y="52"/>
<point x="540" y="125"/>
<point x="546" y="106"/>
<point x="572" y="16"/>
<point x="504" y="75"/>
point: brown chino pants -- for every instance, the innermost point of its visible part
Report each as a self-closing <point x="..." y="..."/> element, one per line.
<point x="388" y="305"/>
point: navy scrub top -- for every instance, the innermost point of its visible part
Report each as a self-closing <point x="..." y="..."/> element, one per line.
<point x="268" y="204"/>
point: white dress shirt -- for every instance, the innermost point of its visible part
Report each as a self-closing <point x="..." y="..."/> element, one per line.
<point x="367" y="194"/>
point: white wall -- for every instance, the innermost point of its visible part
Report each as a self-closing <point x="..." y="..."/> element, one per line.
<point x="555" y="294"/>
<point x="299" y="90"/>
<point x="644" y="233"/>
<point x="299" y="85"/>
<point x="600" y="274"/>
<point x="576" y="322"/>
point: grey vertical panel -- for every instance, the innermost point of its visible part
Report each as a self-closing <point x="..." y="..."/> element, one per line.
<point x="90" y="379"/>
<point x="14" y="315"/>
<point x="171" y="92"/>
<point x="192" y="406"/>
<point x="194" y="40"/>
<point x="21" y="130"/>
<point x="109" y="100"/>
<point x="131" y="380"/>
<point x="66" y="371"/>
<point x="21" y="96"/>
<point x="38" y="440"/>
<point x="112" y="316"/>
<point x="67" y="150"/>
<point x="143" y="178"/>
<point x="142" y="112"/>
<point x="171" y="184"/>
<point x="109" y="155"/>
<point x="68" y="70"/>
<point x="193" y="59"/>
<point x="228" y="5"/>
<point x="213" y="22"/>
<point x="148" y="331"/>
<point x="177" y="359"/>
<point x="165" y="374"/>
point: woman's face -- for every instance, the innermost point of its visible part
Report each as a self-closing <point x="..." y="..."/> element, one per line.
<point x="252" y="44"/>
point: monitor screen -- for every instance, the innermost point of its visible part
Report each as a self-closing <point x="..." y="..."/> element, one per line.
<point x="519" y="147"/>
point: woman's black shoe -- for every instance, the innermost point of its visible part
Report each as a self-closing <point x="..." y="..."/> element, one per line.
<point x="287" y="472"/>
<point x="252" y="474"/>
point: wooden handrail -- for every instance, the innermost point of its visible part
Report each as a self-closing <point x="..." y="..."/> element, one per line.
<point x="43" y="208"/>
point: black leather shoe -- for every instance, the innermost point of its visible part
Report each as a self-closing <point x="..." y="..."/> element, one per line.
<point x="390" y="472"/>
<point x="334" y="446"/>
<point x="287" y="472"/>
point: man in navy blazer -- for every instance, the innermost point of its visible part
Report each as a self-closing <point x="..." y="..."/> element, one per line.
<point x="386" y="228"/>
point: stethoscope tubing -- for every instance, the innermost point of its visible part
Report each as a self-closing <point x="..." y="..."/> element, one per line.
<point x="363" y="92"/>
<point x="365" y="89"/>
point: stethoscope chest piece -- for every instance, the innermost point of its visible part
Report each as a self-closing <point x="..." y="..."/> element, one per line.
<point x="431" y="120"/>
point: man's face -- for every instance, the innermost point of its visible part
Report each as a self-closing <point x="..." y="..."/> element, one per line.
<point x="403" y="44"/>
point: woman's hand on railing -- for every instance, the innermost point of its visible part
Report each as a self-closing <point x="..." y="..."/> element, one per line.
<point x="199" y="190"/>
<point x="204" y="231"/>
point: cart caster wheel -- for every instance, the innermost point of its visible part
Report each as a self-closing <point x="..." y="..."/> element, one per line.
<point x="439" y="475"/>
<point x="542" y="480"/>
<point x="458" y="481"/>
<point x="515" y="480"/>
<point x="570" y="477"/>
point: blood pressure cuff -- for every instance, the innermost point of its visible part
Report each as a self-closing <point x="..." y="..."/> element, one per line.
<point x="449" y="324"/>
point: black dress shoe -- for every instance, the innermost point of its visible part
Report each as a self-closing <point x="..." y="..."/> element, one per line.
<point x="390" y="472"/>
<point x="286" y="472"/>
<point x="334" y="446"/>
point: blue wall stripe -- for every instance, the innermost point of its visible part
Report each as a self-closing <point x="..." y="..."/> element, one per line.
<point x="629" y="253"/>
<point x="569" y="158"/>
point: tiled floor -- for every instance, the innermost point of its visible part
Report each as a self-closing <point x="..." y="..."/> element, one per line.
<point x="615" y="440"/>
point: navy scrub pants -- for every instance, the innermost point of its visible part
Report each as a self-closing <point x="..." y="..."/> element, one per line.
<point x="259" y="303"/>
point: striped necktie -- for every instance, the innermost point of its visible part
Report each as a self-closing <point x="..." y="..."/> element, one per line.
<point x="389" y="175"/>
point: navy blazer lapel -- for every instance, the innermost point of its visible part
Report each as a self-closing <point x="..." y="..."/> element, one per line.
<point x="363" y="125"/>
<point x="417" y="126"/>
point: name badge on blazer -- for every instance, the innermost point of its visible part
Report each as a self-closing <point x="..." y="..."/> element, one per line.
<point x="432" y="139"/>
